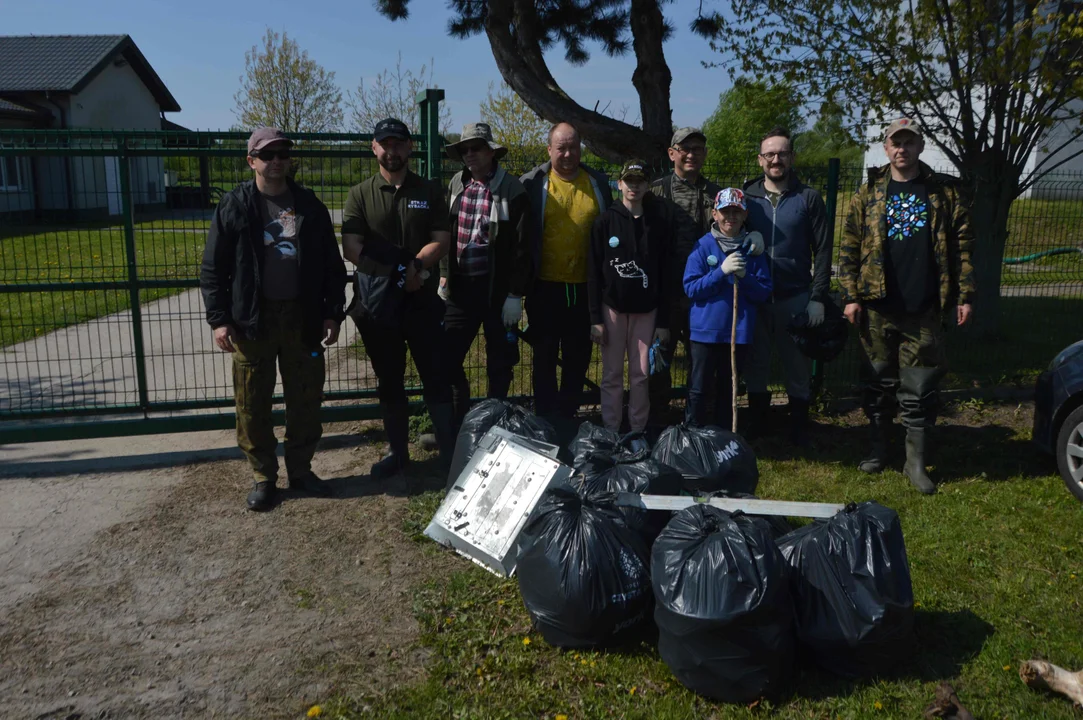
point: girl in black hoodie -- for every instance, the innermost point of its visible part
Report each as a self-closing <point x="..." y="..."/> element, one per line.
<point x="627" y="292"/>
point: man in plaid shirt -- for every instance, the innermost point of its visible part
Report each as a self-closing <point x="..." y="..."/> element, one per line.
<point x="484" y="279"/>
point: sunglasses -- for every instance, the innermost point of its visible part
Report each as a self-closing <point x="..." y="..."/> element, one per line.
<point x="269" y="155"/>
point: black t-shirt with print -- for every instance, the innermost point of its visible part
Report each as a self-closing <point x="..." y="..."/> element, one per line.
<point x="280" y="224"/>
<point x="909" y="267"/>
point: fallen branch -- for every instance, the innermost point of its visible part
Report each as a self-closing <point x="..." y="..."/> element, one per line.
<point x="947" y="705"/>
<point x="1047" y="676"/>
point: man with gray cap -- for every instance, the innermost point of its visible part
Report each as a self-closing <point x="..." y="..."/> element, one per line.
<point x="692" y="196"/>
<point x="273" y="284"/>
<point x="488" y="268"/>
<point x="905" y="270"/>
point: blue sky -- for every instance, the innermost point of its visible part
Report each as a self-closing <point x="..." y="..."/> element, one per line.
<point x="198" y="48"/>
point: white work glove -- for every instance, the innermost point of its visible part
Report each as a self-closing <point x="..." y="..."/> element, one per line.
<point x="662" y="336"/>
<point x="734" y="264"/>
<point x="442" y="289"/>
<point x="512" y="312"/>
<point x="755" y="244"/>
<point x="815" y="311"/>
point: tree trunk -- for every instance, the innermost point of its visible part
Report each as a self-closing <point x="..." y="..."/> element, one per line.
<point x="523" y="68"/>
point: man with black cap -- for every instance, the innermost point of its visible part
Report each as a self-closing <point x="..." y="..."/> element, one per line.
<point x="692" y="196"/>
<point x="395" y="231"/>
<point x="488" y="270"/>
<point x="906" y="273"/>
<point x="273" y="284"/>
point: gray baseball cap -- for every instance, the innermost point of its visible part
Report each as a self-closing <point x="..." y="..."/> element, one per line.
<point x="264" y="136"/>
<point x="684" y="133"/>
<point x="471" y="132"/>
<point x="900" y="125"/>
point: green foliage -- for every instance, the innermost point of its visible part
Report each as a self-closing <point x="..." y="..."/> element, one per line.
<point x="514" y="124"/>
<point x="282" y="87"/>
<point x="744" y="114"/>
<point x="830" y="137"/>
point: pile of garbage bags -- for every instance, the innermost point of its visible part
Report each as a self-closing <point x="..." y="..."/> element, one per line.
<point x="491" y="413"/>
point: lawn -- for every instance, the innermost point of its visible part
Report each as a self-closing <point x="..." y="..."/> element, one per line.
<point x="997" y="565"/>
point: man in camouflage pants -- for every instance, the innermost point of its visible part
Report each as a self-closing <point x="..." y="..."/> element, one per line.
<point x="904" y="263"/>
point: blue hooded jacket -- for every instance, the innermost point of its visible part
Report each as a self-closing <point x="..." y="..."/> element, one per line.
<point x="711" y="292"/>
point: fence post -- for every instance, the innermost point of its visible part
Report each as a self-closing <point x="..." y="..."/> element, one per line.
<point x="127" y="210"/>
<point x="831" y="201"/>
<point x="428" y="103"/>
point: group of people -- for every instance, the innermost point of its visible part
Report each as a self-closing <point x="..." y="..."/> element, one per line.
<point x="721" y="271"/>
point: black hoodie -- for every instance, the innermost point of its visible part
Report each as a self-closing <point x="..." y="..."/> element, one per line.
<point x="631" y="277"/>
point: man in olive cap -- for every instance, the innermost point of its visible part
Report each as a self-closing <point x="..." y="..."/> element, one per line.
<point x="488" y="268"/>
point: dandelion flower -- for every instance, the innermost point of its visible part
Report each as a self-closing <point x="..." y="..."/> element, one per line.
<point x="526" y="641"/>
<point x="314" y="711"/>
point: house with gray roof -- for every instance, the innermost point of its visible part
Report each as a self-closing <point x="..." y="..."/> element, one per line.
<point x="77" y="82"/>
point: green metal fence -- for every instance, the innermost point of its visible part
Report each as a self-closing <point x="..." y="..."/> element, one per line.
<point x="101" y="236"/>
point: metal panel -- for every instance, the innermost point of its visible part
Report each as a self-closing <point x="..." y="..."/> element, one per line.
<point x="783" y="508"/>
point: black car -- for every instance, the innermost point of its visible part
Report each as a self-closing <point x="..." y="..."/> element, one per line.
<point x="1058" y="414"/>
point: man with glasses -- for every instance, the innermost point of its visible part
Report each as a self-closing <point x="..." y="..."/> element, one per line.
<point x="692" y="196"/>
<point x="273" y="284"/>
<point x="792" y="218"/>
<point x="488" y="270"/>
<point x="395" y="230"/>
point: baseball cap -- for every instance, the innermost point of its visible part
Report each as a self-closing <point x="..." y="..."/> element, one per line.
<point x="729" y="197"/>
<point x="390" y="127"/>
<point x="634" y="168"/>
<point x="264" y="136"/>
<point x="684" y="133"/>
<point x="900" y="125"/>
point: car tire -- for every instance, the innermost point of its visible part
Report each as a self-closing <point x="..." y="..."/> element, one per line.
<point x="1070" y="452"/>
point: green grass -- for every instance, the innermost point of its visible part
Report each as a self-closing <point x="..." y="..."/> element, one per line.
<point x="91" y="254"/>
<point x="997" y="565"/>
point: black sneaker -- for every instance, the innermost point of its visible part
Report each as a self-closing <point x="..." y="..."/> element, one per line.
<point x="310" y="484"/>
<point x="391" y="465"/>
<point x="263" y="496"/>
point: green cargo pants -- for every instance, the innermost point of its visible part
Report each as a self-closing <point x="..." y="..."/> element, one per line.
<point x="905" y="362"/>
<point x="278" y="339"/>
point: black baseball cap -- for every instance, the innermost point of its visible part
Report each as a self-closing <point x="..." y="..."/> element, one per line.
<point x="390" y="127"/>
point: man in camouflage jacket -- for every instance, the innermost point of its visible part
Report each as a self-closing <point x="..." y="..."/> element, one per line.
<point x="904" y="264"/>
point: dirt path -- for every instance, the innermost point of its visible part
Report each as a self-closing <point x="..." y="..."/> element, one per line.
<point x="183" y="604"/>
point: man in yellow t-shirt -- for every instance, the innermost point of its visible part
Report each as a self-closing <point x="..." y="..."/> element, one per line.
<point x="566" y="197"/>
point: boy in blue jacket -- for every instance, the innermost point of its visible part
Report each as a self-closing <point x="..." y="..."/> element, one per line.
<point x="720" y="259"/>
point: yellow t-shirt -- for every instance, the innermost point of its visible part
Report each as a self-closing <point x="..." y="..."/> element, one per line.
<point x="570" y="210"/>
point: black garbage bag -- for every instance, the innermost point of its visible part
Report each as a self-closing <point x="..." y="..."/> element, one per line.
<point x="594" y="439"/>
<point x="779" y="525"/>
<point x="853" y="600"/>
<point x="723" y="605"/>
<point x="495" y="413"/>
<point x="583" y="573"/>
<point x="633" y="473"/>
<point x="825" y="341"/>
<point x="709" y="458"/>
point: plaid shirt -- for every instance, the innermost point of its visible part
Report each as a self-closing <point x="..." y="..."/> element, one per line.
<point x="473" y="234"/>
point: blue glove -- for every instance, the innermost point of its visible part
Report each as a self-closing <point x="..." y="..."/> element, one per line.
<point x="656" y="358"/>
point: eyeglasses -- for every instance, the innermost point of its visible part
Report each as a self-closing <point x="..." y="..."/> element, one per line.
<point x="269" y="155"/>
<point x="473" y="148"/>
<point x="691" y="150"/>
<point x="784" y="155"/>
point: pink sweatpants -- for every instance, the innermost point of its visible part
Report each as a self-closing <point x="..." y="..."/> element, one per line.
<point x="629" y="333"/>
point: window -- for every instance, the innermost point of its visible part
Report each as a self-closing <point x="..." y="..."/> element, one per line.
<point x="9" y="173"/>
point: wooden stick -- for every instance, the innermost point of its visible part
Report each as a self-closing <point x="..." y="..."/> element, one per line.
<point x="733" y="356"/>
<point x="1047" y="676"/>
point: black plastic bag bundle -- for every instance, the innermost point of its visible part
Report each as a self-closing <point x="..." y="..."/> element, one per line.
<point x="779" y="525"/>
<point x="853" y="599"/>
<point x="723" y="605"/>
<point x="583" y="573"/>
<point x="594" y="439"/>
<point x="825" y="341"/>
<point x="710" y="458"/>
<point x="638" y="474"/>
<point x="495" y="413"/>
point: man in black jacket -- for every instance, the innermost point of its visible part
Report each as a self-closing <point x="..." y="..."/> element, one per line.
<point x="273" y="283"/>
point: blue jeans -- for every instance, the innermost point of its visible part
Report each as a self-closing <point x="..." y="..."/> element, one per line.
<point x="711" y="381"/>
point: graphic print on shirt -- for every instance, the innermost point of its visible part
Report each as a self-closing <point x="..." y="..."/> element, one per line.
<point x="906" y="214"/>
<point x="629" y="270"/>
<point x="282" y="233"/>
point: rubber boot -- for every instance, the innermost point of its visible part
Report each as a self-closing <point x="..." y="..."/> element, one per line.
<point x="397" y="427"/>
<point x="443" y="425"/>
<point x="914" y="469"/>
<point x="759" y="405"/>
<point x="799" y="421"/>
<point x="876" y="460"/>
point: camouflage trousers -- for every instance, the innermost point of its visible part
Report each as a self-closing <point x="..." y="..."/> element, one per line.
<point x="904" y="362"/>
<point x="278" y="342"/>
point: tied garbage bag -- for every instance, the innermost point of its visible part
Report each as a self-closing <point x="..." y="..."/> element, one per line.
<point x="583" y="573"/>
<point x="637" y="473"/>
<point x="853" y="599"/>
<point x="495" y="413"/>
<point x="825" y="341"/>
<point x="723" y="605"/>
<point x="779" y="525"/>
<point x="594" y="439"/>
<point x="710" y="459"/>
